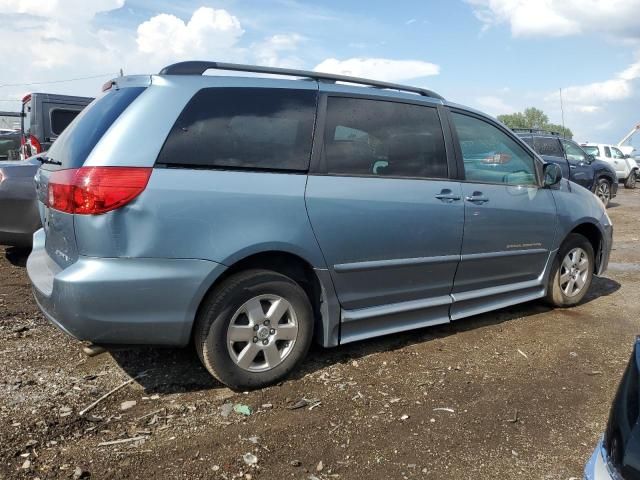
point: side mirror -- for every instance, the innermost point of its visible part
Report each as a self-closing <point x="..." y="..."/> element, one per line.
<point x="590" y="158"/>
<point x="552" y="174"/>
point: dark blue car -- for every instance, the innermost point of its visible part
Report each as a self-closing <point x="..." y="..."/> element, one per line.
<point x="576" y="164"/>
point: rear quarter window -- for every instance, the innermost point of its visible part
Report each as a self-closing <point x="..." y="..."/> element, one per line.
<point x="75" y="143"/>
<point x="245" y="128"/>
<point x="548" y="146"/>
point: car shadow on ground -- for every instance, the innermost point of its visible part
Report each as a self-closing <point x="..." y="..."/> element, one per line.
<point x="171" y="370"/>
<point x="17" y="256"/>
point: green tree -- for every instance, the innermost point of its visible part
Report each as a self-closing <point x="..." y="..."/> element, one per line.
<point x="533" y="118"/>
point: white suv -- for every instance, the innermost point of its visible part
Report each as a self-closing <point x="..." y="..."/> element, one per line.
<point x="626" y="167"/>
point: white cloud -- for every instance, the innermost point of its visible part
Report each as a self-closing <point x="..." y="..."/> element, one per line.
<point x="60" y="9"/>
<point x="55" y="48"/>
<point x="587" y="108"/>
<point x="588" y="97"/>
<point x="279" y="50"/>
<point x="207" y="32"/>
<point x="379" y="68"/>
<point x="494" y="105"/>
<point x="561" y="17"/>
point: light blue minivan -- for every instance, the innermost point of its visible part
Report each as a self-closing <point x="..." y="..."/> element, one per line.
<point x="251" y="215"/>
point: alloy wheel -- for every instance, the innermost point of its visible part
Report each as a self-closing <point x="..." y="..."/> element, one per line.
<point x="603" y="192"/>
<point x="574" y="272"/>
<point x="262" y="333"/>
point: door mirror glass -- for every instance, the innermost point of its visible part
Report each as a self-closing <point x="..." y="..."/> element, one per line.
<point x="552" y="174"/>
<point x="590" y="158"/>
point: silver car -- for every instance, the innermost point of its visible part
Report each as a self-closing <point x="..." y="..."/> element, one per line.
<point x="617" y="455"/>
<point x="250" y="216"/>
<point x="19" y="217"/>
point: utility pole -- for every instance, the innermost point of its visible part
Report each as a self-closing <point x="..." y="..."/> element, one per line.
<point x="564" y="129"/>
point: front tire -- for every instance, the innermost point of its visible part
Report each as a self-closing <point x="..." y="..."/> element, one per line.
<point x="571" y="273"/>
<point x="603" y="191"/>
<point x="630" y="182"/>
<point x="253" y="329"/>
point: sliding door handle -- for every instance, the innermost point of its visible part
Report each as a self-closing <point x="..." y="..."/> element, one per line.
<point x="448" y="197"/>
<point x="476" y="198"/>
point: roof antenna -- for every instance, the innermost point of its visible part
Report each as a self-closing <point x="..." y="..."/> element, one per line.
<point x="564" y="129"/>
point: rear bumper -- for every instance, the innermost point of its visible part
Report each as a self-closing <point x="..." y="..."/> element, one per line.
<point x="597" y="468"/>
<point x="140" y="301"/>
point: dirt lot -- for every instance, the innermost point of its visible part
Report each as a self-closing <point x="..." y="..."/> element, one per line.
<point x="519" y="393"/>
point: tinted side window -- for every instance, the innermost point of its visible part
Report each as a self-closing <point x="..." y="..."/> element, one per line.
<point x="490" y="155"/>
<point x="383" y="138"/>
<point x="548" y="146"/>
<point x="574" y="152"/>
<point x="528" y="141"/>
<point x="607" y="152"/>
<point x="61" y="118"/>
<point x="256" y="128"/>
<point x="83" y="134"/>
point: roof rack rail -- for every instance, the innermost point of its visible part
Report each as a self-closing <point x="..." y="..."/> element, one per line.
<point x="539" y="131"/>
<point x="199" y="67"/>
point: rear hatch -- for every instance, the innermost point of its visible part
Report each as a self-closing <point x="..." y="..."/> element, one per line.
<point x="622" y="437"/>
<point x="63" y="165"/>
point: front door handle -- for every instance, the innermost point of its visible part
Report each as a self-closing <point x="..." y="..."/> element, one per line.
<point x="448" y="196"/>
<point x="477" y="197"/>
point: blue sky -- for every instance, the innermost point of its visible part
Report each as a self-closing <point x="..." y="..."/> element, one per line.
<point x="496" y="55"/>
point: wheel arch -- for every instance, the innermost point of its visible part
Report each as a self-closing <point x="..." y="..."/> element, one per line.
<point x="315" y="282"/>
<point x="592" y="233"/>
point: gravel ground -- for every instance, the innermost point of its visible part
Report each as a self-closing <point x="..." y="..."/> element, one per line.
<point x="519" y="393"/>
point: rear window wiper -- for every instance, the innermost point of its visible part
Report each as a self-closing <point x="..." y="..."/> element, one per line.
<point x="48" y="161"/>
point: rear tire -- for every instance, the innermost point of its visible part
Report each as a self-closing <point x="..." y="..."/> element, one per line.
<point x="603" y="191"/>
<point x="571" y="273"/>
<point x="630" y="182"/>
<point x="253" y="329"/>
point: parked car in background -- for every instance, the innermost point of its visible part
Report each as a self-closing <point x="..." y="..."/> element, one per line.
<point x="44" y="117"/>
<point x="215" y="222"/>
<point x="626" y="167"/>
<point x="576" y="164"/>
<point x="617" y="455"/>
<point x="19" y="217"/>
<point x="10" y="145"/>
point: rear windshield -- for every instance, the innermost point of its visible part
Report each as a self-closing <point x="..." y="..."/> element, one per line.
<point x="76" y="142"/>
<point x="61" y="118"/>
<point x="591" y="150"/>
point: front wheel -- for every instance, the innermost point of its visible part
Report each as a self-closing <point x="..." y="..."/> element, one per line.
<point x="603" y="191"/>
<point x="254" y="329"/>
<point x="630" y="182"/>
<point x="571" y="273"/>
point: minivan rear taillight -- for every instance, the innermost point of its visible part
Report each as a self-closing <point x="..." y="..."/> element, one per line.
<point x="94" y="190"/>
